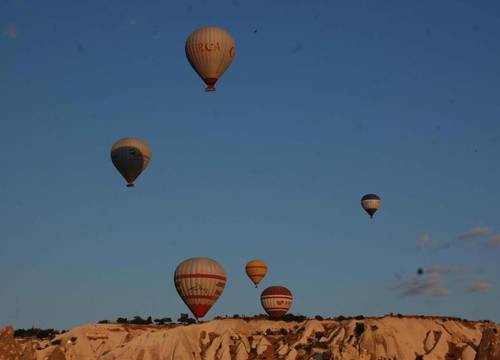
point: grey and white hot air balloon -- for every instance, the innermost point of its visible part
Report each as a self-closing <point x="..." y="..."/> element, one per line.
<point x="130" y="156"/>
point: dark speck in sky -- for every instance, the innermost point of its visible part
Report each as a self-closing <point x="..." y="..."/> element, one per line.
<point x="189" y="9"/>
<point x="297" y="48"/>
<point x="80" y="47"/>
<point x="451" y="101"/>
<point x="255" y="31"/>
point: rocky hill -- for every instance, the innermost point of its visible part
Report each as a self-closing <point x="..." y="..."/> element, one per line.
<point x="401" y="338"/>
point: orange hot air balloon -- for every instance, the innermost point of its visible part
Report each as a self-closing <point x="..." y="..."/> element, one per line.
<point x="256" y="270"/>
<point x="199" y="282"/>
<point x="130" y="157"/>
<point x="210" y="51"/>
<point x="276" y="301"/>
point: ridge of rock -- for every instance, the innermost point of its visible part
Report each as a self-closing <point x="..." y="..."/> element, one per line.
<point x="404" y="338"/>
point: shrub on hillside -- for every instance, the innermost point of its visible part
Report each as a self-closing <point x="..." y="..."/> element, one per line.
<point x="137" y="320"/>
<point x="36" y="333"/>
<point x="163" y="321"/>
<point x="292" y="317"/>
<point x="185" y="319"/>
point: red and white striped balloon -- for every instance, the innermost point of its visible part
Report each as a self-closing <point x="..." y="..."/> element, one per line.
<point x="199" y="282"/>
<point x="276" y="301"/>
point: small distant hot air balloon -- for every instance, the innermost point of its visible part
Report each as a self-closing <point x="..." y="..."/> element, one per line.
<point x="210" y="51"/>
<point x="130" y="157"/>
<point x="199" y="282"/>
<point x="256" y="270"/>
<point x="420" y="271"/>
<point x="370" y="203"/>
<point x="276" y="301"/>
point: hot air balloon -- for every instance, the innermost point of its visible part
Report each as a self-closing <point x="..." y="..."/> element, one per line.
<point x="210" y="51"/>
<point x="130" y="157"/>
<point x="370" y="203"/>
<point x="276" y="301"/>
<point x="256" y="270"/>
<point x="199" y="282"/>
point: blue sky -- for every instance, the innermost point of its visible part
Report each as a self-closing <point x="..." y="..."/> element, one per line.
<point x="324" y="102"/>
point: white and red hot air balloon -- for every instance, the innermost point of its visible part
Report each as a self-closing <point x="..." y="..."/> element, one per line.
<point x="276" y="301"/>
<point x="210" y="51"/>
<point x="199" y="282"/>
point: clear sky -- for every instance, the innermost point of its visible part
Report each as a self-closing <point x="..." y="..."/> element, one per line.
<point x="324" y="102"/>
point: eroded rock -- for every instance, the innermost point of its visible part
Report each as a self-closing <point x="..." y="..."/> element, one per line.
<point x="10" y="349"/>
<point x="489" y="347"/>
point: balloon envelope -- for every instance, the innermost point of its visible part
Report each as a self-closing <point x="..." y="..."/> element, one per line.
<point x="256" y="270"/>
<point x="130" y="156"/>
<point x="370" y="203"/>
<point x="210" y="51"/>
<point x="199" y="282"/>
<point x="276" y="301"/>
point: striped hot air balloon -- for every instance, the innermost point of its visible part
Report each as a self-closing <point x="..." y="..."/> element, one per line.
<point x="276" y="301"/>
<point x="370" y="203"/>
<point x="210" y="51"/>
<point x="199" y="282"/>
<point x="256" y="270"/>
<point x="130" y="156"/>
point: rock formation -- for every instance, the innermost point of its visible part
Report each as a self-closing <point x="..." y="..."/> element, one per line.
<point x="489" y="347"/>
<point x="401" y="338"/>
<point x="10" y="349"/>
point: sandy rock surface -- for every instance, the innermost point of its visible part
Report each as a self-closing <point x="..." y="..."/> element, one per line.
<point x="402" y="338"/>
<point x="10" y="349"/>
<point x="489" y="347"/>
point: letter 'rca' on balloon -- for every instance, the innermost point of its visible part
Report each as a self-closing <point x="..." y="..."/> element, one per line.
<point x="130" y="156"/>
<point x="276" y="301"/>
<point x="256" y="270"/>
<point x="200" y="282"/>
<point x="371" y="203"/>
<point x="210" y="51"/>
